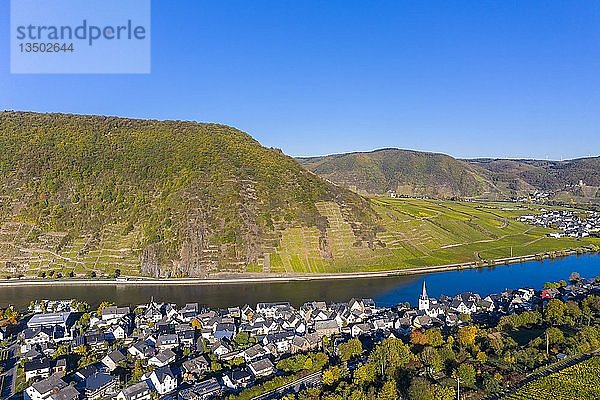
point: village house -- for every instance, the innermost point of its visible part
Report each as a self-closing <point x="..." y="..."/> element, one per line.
<point x="113" y="359"/>
<point x="162" y="380"/>
<point x="98" y="386"/>
<point x="261" y="368"/>
<point x="208" y="389"/>
<point x="137" y="391"/>
<point x="237" y="379"/>
<point x="163" y="358"/>
<point x="195" y="368"/>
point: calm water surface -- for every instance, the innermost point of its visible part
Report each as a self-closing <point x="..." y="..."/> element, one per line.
<point x="385" y="291"/>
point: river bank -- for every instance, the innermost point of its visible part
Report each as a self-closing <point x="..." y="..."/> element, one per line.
<point x="282" y="278"/>
<point x="386" y="290"/>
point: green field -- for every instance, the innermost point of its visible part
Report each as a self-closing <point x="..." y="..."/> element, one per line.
<point x="580" y="381"/>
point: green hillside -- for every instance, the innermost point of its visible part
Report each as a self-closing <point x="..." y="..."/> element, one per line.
<point x="579" y="381"/>
<point x="406" y="172"/>
<point x="177" y="198"/>
<point x="416" y="173"/>
<point x="84" y="195"/>
<point x="577" y="179"/>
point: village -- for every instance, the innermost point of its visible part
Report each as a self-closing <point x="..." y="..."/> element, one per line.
<point x="567" y="222"/>
<point x="162" y="351"/>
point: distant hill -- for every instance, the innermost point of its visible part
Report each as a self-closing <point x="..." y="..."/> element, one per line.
<point x="178" y="198"/>
<point x="420" y="173"/>
<point x="579" y="178"/>
<point x="403" y="171"/>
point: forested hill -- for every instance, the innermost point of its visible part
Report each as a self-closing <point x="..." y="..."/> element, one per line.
<point x="177" y="198"/>
<point x="580" y="177"/>
<point x="417" y="173"/>
<point x="406" y="172"/>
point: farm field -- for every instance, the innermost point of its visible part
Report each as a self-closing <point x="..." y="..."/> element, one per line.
<point x="580" y="381"/>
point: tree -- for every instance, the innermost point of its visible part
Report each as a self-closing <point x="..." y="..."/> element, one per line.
<point x="102" y="306"/>
<point x="573" y="313"/>
<point x="444" y="392"/>
<point x="81" y="350"/>
<point x="215" y="366"/>
<point x="431" y="359"/>
<point x="293" y="364"/>
<point x="237" y="361"/>
<point x="138" y="370"/>
<point x="332" y="375"/>
<point x="390" y="355"/>
<point x="417" y="337"/>
<point x="467" y="335"/>
<point x="84" y="320"/>
<point x="10" y="315"/>
<point x="60" y="351"/>
<point x="388" y="391"/>
<point x="466" y="373"/>
<point x="350" y="349"/>
<point x="420" y="389"/>
<point x="555" y="312"/>
<point x="481" y="357"/>
<point x="464" y="317"/>
<point x="555" y="335"/>
<point x="590" y="307"/>
<point x="434" y="337"/>
<point x="196" y="324"/>
<point x="241" y="339"/>
<point x="364" y="375"/>
<point x="492" y="383"/>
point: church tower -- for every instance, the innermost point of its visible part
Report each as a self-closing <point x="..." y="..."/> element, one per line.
<point x="424" y="299"/>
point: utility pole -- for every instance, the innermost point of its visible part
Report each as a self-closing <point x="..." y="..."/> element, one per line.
<point x="547" y="344"/>
<point x="457" y="388"/>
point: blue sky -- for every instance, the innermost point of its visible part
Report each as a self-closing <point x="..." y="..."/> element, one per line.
<point x="477" y="78"/>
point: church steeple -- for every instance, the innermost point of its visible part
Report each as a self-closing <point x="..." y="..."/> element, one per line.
<point x="424" y="292"/>
<point x="424" y="299"/>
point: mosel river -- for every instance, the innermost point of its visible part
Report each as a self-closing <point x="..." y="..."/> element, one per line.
<point x="385" y="291"/>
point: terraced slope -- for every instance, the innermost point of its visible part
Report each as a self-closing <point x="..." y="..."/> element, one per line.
<point x="417" y="233"/>
<point x="578" y="382"/>
<point x="83" y="194"/>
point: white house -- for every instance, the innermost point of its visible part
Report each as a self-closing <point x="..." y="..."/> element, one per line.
<point x="162" y="380"/>
<point x="163" y="358"/>
<point x="43" y="389"/>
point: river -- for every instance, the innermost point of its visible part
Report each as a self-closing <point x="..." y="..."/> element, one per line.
<point x="385" y="291"/>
